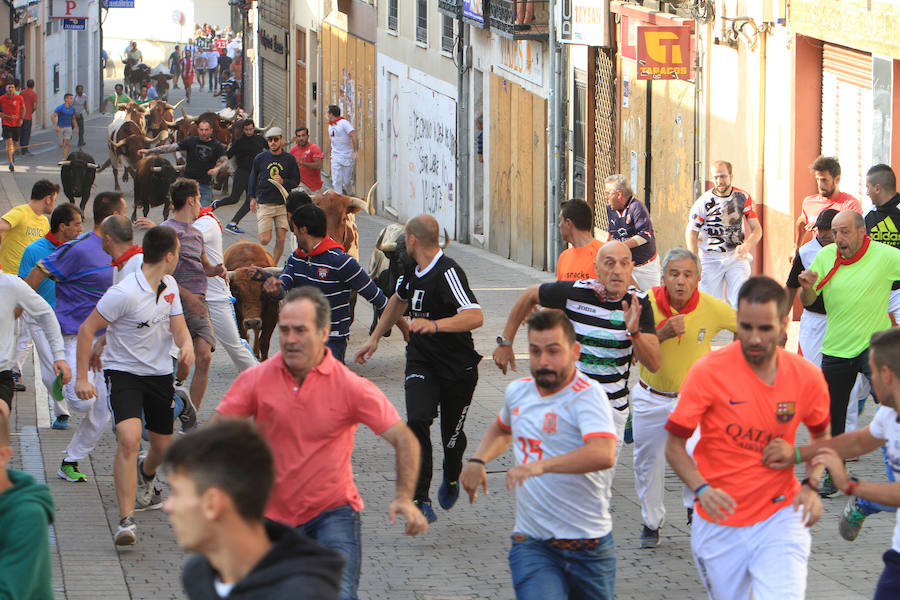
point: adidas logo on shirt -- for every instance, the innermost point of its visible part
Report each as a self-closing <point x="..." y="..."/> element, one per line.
<point x="885" y="231"/>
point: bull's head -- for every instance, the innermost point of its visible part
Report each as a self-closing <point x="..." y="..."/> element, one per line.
<point x="355" y="205"/>
<point x="250" y="295"/>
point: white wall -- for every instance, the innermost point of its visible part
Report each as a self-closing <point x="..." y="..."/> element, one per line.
<point x="77" y="54"/>
<point x="150" y="20"/>
<point x="214" y="12"/>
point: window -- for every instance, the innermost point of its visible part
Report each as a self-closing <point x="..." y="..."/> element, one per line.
<point x="579" y="110"/>
<point x="392" y="15"/>
<point x="446" y="33"/>
<point x="422" y="21"/>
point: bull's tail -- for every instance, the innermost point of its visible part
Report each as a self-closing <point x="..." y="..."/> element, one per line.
<point x="104" y="165"/>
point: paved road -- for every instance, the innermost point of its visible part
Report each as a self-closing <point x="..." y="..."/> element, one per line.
<point x="463" y="556"/>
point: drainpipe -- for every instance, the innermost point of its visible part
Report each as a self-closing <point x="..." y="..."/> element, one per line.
<point x="761" y="136"/>
<point x="553" y="137"/>
<point x="464" y="56"/>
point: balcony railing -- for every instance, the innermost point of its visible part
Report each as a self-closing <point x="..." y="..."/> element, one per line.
<point x="475" y="12"/>
<point x="449" y="7"/>
<point x="521" y="19"/>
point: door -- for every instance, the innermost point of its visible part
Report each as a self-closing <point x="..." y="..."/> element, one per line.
<point x="393" y="143"/>
<point x="300" y="91"/>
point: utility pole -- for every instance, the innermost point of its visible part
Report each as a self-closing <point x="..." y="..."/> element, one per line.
<point x="555" y="143"/>
<point x="463" y="64"/>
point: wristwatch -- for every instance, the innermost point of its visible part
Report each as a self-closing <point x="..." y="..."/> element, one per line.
<point x="502" y="341"/>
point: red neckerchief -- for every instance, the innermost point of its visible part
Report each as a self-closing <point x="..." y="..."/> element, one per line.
<point x="120" y="262"/>
<point x="207" y="211"/>
<point x="322" y="247"/>
<point x="601" y="293"/>
<point x="840" y="260"/>
<point x="53" y="239"/>
<point x="334" y="122"/>
<point x="665" y="306"/>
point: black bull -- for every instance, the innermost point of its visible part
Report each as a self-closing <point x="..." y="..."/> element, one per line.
<point x="77" y="174"/>
<point x="154" y="175"/>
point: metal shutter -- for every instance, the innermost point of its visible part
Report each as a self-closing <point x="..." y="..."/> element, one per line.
<point x="847" y="114"/>
<point x="273" y="95"/>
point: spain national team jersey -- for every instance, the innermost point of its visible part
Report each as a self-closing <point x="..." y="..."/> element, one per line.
<point x="720" y="220"/>
<point x="739" y="415"/>
<point x="559" y="505"/>
<point x="703" y="320"/>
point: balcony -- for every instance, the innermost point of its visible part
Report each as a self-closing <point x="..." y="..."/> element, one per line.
<point x="531" y="23"/>
<point x="475" y="12"/>
<point x="449" y="7"/>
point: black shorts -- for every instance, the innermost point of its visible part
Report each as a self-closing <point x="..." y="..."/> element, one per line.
<point x="130" y="394"/>
<point x="7" y="387"/>
<point x="11" y="133"/>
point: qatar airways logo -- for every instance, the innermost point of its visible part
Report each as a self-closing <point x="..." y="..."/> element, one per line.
<point x="751" y="438"/>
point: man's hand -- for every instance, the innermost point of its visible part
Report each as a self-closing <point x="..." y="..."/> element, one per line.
<point x="674" y="327"/>
<point x="95" y="362"/>
<point x="808" y="279"/>
<point x="632" y="312"/>
<point x="518" y="474"/>
<point x="415" y="520"/>
<point x="779" y="454"/>
<point x="56" y="127"/>
<point x="811" y="503"/>
<point x="505" y="358"/>
<point x="215" y="271"/>
<point x="835" y="465"/>
<point x="422" y="326"/>
<point x="84" y="389"/>
<point x="742" y="251"/>
<point x="144" y="223"/>
<point x="279" y="179"/>
<point x="272" y="286"/>
<point x="473" y="476"/>
<point x="253" y="205"/>
<point x="366" y="352"/>
<point x="143" y="151"/>
<point x="717" y="503"/>
<point x="212" y="172"/>
<point x="185" y="357"/>
<point x="61" y="368"/>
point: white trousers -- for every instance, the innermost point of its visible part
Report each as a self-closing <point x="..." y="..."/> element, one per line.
<point x="45" y="358"/>
<point x="763" y="561"/>
<point x="96" y="410"/>
<point x="647" y="275"/>
<point x="651" y="411"/>
<point x="723" y="277"/>
<point x="341" y="177"/>
<point x="221" y="313"/>
<point x="809" y="339"/>
<point x="23" y="343"/>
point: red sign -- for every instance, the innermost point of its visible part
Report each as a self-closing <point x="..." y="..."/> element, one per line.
<point x="664" y="52"/>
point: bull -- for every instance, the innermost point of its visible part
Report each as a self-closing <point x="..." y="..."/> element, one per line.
<point x="77" y="173"/>
<point x="131" y="111"/>
<point x="160" y="117"/>
<point x="135" y="75"/>
<point x="161" y="83"/>
<point x="125" y="138"/>
<point x="153" y="176"/>
<point x="221" y="131"/>
<point x="254" y="309"/>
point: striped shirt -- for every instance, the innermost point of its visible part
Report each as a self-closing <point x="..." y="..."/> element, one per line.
<point x="606" y="349"/>
<point x="336" y="274"/>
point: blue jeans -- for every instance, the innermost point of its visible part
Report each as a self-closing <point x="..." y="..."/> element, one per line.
<point x="205" y="195"/>
<point x="338" y="347"/>
<point x="888" y="586"/>
<point x="543" y="572"/>
<point x="867" y="506"/>
<point x="340" y="530"/>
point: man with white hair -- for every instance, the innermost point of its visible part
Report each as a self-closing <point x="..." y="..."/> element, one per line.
<point x="629" y="222"/>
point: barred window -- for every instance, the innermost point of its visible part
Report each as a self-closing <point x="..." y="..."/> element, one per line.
<point x="422" y="21"/>
<point x="392" y="15"/>
<point x="446" y="33"/>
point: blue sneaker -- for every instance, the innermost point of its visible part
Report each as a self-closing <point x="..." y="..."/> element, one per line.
<point x="448" y="494"/>
<point x="629" y="433"/>
<point x="233" y="228"/>
<point x="17" y="380"/>
<point x="426" y="509"/>
<point x="61" y="422"/>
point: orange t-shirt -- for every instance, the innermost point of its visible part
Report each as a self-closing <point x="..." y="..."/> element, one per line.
<point x="813" y="205"/>
<point x="578" y="263"/>
<point x="738" y="415"/>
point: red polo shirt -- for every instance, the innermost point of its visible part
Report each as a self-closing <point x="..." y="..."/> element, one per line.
<point x="312" y="178"/>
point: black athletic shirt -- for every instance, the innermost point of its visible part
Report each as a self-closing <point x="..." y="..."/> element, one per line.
<point x="201" y="157"/>
<point x="606" y="349"/>
<point x="439" y="291"/>
<point x="883" y="225"/>
<point x="245" y="148"/>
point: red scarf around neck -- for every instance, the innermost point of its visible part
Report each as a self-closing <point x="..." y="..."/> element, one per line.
<point x="322" y="247"/>
<point x="120" y="262"/>
<point x="840" y="260"/>
<point x="208" y="211"/>
<point x="334" y="121"/>
<point x="665" y="306"/>
<point x="53" y="239"/>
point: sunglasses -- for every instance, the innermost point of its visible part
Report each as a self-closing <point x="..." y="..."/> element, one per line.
<point x="276" y="138"/>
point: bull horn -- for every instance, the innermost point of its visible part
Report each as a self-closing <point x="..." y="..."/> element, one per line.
<point x="140" y="109"/>
<point x="93" y="166"/>
<point x="187" y="117"/>
<point x="370" y="207"/>
<point x="230" y="274"/>
<point x="170" y="123"/>
<point x="120" y="143"/>
<point x="178" y="104"/>
<point x="272" y="269"/>
<point x="64" y="163"/>
<point x="156" y="169"/>
<point x="280" y="187"/>
<point x="380" y="245"/>
<point x="446" y="240"/>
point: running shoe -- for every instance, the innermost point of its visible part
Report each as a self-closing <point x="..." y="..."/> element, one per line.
<point x="126" y="533"/>
<point x="851" y="520"/>
<point x="188" y="416"/>
<point x="17" y="379"/>
<point x="69" y="471"/>
<point x="649" y="537"/>
<point x="448" y="494"/>
<point x="61" y="422"/>
<point x="827" y="489"/>
<point x="147" y="497"/>
<point x="233" y="228"/>
<point x="426" y="509"/>
<point x="12" y="169"/>
<point x="629" y="434"/>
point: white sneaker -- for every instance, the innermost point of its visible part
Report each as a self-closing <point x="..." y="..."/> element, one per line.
<point x="126" y="533"/>
<point x="148" y="497"/>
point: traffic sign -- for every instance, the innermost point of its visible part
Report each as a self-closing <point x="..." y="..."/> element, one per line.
<point x="119" y="3"/>
<point x="74" y="24"/>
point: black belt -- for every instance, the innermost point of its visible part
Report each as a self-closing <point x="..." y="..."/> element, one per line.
<point x="666" y="394"/>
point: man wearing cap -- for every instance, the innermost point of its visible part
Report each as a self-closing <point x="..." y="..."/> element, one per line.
<point x="265" y="199"/>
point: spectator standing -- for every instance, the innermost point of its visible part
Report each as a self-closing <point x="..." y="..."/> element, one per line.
<point x="344" y="149"/>
<point x="575" y="227"/>
<point x="200" y="66"/>
<point x="629" y="223"/>
<point x="79" y="103"/>
<point x="309" y="158"/>
<point x="174" y="64"/>
<point x="212" y="68"/>
<point x="63" y="118"/>
<point x="187" y="73"/>
<point x="12" y="110"/>
<point x="31" y="100"/>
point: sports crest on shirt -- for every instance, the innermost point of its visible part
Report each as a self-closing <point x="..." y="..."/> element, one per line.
<point x="323" y="272"/>
<point x="784" y="411"/>
<point x="549" y="422"/>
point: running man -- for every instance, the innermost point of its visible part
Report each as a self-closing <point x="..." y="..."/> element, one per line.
<point x="576" y="224"/>
<point x="142" y="315"/>
<point x="749" y="536"/>
<point x="243" y="150"/>
<point x="266" y="199"/>
<point x="563" y="435"/>
<point x="309" y="158"/>
<point x="63" y="119"/>
<point x="12" y="112"/>
<point x="723" y="230"/>
<point x="441" y="361"/>
<point x="827" y="171"/>
<point x="883" y="220"/>
<point x="629" y="222"/>
<point x="344" y="149"/>
<point x="687" y="320"/>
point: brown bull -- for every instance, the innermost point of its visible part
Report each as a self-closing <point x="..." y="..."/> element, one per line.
<point x="125" y="138"/>
<point x="133" y="112"/>
<point x="254" y="309"/>
<point x="221" y="128"/>
<point x="160" y="116"/>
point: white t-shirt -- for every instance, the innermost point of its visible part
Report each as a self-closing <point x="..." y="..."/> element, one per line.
<point x="720" y="221"/>
<point x="232" y="47"/>
<point x="559" y="505"/>
<point x="209" y="226"/>
<point x="341" y="144"/>
<point x="132" y="265"/>
<point x="212" y="59"/>
<point x="139" y="336"/>
<point x="885" y="427"/>
<point x="15" y="292"/>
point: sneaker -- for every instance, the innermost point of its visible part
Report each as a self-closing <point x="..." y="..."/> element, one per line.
<point x="827" y="489"/>
<point x="233" y="228"/>
<point x="629" y="433"/>
<point x="69" y="471"/>
<point x="214" y="205"/>
<point x="153" y="501"/>
<point x="17" y="379"/>
<point x="61" y="422"/>
<point x="12" y="169"/>
<point x="126" y="532"/>
<point x="426" y="509"/>
<point x="690" y="516"/>
<point x="188" y="416"/>
<point x="448" y="494"/>
<point x="851" y="520"/>
<point x="649" y="537"/>
<point x="146" y="490"/>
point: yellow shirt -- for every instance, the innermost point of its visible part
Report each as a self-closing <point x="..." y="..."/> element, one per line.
<point x="701" y="325"/>
<point x="578" y="263"/>
<point x="26" y="227"/>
